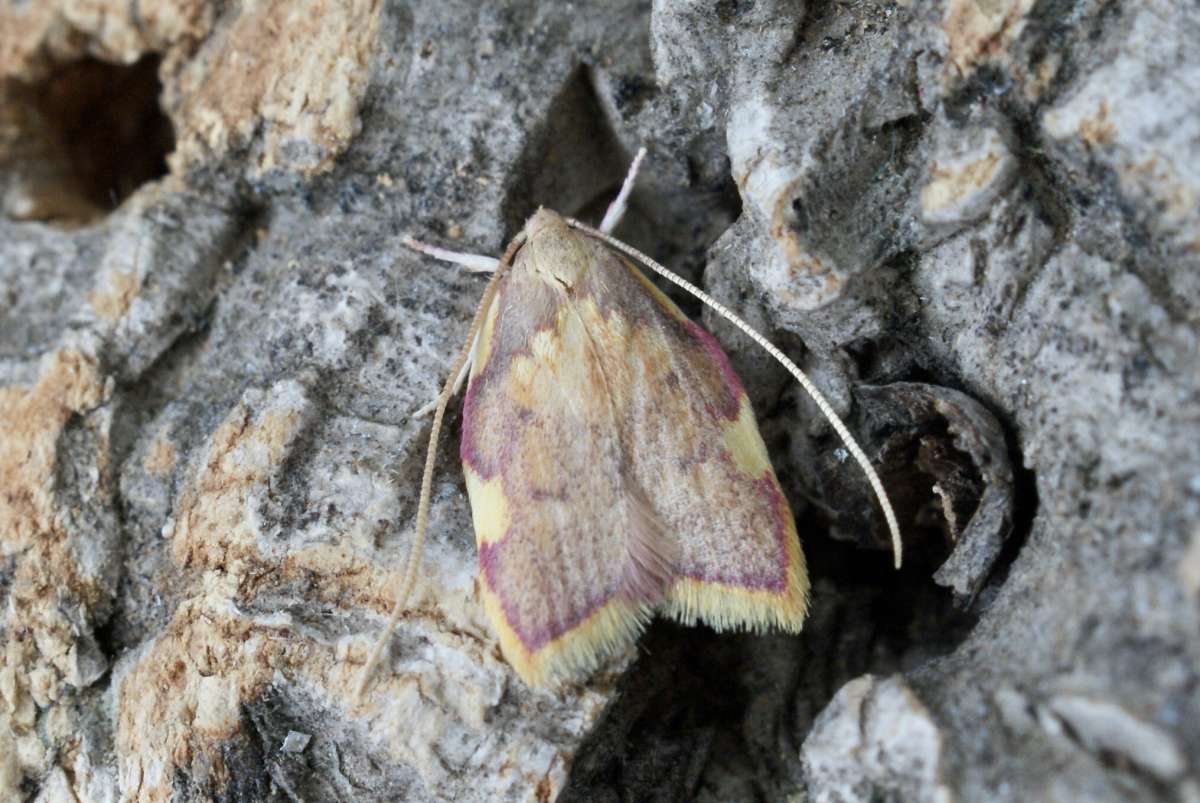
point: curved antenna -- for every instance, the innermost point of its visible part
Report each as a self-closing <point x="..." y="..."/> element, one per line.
<point x="822" y="403"/>
<point x="414" y="552"/>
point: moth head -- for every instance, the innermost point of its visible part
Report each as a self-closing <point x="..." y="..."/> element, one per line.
<point x="553" y="250"/>
<point x="544" y="221"/>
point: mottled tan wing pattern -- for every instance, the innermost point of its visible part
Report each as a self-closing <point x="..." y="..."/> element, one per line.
<point x="614" y="467"/>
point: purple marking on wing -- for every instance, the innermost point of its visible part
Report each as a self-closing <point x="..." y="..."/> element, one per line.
<point x="532" y="634"/>
<point x="504" y="429"/>
<point x="730" y="406"/>
<point x="767" y="486"/>
<point x="468" y="452"/>
<point x="504" y="423"/>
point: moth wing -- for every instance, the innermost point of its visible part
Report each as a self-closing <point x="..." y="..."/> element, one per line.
<point x="691" y="444"/>
<point x="552" y="511"/>
<point x="615" y="469"/>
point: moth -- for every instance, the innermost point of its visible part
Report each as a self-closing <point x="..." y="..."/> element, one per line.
<point x="613" y="463"/>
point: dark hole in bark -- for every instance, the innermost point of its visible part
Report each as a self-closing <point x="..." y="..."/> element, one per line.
<point x="84" y="139"/>
<point x="572" y="158"/>
<point x="575" y="164"/>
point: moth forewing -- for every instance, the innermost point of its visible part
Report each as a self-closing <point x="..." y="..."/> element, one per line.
<point x="613" y="463"/>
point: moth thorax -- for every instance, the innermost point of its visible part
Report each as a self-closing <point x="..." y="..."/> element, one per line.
<point x="553" y="250"/>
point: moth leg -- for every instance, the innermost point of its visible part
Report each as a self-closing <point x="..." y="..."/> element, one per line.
<point x="472" y="262"/>
<point x="616" y="210"/>
<point x="459" y="381"/>
<point x="475" y="263"/>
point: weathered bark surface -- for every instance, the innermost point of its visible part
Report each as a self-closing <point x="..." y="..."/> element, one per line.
<point x="977" y="224"/>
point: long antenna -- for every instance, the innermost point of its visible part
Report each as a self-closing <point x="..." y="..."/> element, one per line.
<point x="806" y="383"/>
<point x="414" y="552"/>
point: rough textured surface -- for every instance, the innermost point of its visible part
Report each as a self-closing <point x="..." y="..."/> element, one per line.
<point x="977" y="224"/>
